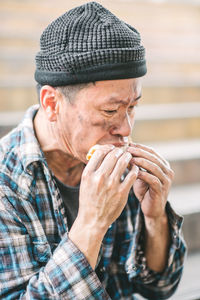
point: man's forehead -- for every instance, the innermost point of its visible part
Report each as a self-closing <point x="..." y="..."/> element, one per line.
<point x="123" y="91"/>
<point x="115" y="100"/>
<point x="131" y="84"/>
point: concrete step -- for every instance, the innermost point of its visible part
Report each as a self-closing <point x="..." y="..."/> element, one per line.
<point x="156" y="123"/>
<point x="189" y="287"/>
<point x="184" y="156"/>
<point x="173" y="74"/>
<point x="188" y="17"/>
<point x="155" y="94"/>
<point x="17" y="98"/>
<point x="9" y="120"/>
<point x="185" y="199"/>
<point x="164" y="40"/>
<point x="159" y="74"/>
<point x="20" y="93"/>
<point x="164" y="122"/>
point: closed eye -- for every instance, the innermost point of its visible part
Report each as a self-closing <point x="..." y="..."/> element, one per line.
<point x="131" y="108"/>
<point x="110" y="112"/>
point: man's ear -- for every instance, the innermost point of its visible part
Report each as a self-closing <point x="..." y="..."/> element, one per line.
<point x="49" y="102"/>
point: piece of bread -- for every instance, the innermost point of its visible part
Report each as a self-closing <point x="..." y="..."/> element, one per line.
<point x="91" y="152"/>
<point x="94" y="148"/>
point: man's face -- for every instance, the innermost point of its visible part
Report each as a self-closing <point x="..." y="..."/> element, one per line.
<point x="102" y="113"/>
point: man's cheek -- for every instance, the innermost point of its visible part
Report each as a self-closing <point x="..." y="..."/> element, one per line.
<point x="102" y="124"/>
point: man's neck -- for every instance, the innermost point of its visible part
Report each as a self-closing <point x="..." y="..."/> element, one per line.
<point x="65" y="167"/>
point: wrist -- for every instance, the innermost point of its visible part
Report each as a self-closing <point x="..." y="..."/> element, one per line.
<point x="88" y="239"/>
<point x="156" y="224"/>
<point x="156" y="243"/>
<point x="91" y="231"/>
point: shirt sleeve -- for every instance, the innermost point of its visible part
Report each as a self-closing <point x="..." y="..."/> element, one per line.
<point x="149" y="283"/>
<point x="28" y="269"/>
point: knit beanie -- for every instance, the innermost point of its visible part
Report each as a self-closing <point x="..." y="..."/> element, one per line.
<point x="87" y="44"/>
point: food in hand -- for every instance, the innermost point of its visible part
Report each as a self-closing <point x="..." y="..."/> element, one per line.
<point x="94" y="148"/>
<point x="91" y="152"/>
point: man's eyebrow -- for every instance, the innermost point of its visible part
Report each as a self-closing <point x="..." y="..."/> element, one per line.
<point x="138" y="98"/>
<point x="120" y="101"/>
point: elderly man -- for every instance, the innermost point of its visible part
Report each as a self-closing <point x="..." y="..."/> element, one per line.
<point x="73" y="228"/>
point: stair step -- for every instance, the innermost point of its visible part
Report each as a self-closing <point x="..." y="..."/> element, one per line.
<point x="20" y="18"/>
<point x="170" y="94"/>
<point x="171" y="121"/>
<point x="168" y="111"/>
<point x="189" y="288"/>
<point x="189" y="78"/>
<point x="14" y="98"/>
<point x="184" y="156"/>
<point x="186" y="199"/>
<point x="20" y="93"/>
<point x="179" y="150"/>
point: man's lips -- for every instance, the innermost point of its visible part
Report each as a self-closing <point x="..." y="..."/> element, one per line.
<point x="119" y="144"/>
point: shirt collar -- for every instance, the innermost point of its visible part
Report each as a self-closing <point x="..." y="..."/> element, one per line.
<point x="29" y="148"/>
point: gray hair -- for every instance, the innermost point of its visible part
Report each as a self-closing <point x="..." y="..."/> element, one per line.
<point x="68" y="91"/>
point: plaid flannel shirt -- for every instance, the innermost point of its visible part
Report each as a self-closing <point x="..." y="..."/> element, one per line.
<point x="39" y="261"/>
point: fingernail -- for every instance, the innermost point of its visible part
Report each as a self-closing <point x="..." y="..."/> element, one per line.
<point x="118" y="153"/>
<point x="128" y="157"/>
<point x="136" y="169"/>
<point x="126" y="139"/>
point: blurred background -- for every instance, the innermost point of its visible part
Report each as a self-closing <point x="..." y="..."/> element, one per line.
<point x="168" y="117"/>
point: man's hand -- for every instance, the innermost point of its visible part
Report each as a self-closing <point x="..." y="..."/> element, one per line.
<point x="153" y="182"/>
<point x="151" y="188"/>
<point x="102" y="198"/>
<point x="102" y="193"/>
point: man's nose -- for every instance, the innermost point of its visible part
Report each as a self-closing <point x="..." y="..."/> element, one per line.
<point x="124" y="127"/>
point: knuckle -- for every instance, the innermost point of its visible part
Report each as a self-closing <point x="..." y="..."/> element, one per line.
<point x="168" y="181"/>
<point x="171" y="174"/>
<point x="110" y="184"/>
<point x="134" y="176"/>
<point x="156" y="181"/>
<point x="151" y="150"/>
<point x="121" y="191"/>
<point x="99" y="177"/>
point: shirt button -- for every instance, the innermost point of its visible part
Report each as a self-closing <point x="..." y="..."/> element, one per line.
<point x="103" y="269"/>
<point x="132" y="268"/>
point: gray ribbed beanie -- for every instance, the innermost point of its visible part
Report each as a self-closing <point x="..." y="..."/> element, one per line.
<point x="89" y="43"/>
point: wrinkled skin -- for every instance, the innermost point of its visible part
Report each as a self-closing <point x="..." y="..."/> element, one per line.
<point x="103" y="113"/>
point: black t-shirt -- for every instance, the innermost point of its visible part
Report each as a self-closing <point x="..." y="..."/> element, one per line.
<point x="70" y="196"/>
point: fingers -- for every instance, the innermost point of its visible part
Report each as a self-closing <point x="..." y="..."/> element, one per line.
<point x="130" y="178"/>
<point x="148" y="159"/>
<point x="151" y="180"/>
<point x="114" y="166"/>
<point x="120" y="165"/>
<point x="110" y="164"/>
<point x="150" y="150"/>
<point x="98" y="156"/>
